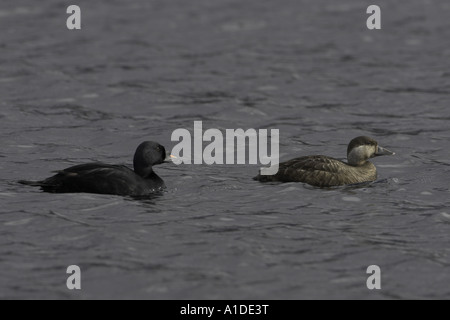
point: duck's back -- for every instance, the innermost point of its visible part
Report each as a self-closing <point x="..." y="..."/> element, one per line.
<point x="321" y="171"/>
<point x="101" y="178"/>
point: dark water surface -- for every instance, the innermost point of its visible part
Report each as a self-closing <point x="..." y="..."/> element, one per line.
<point x="140" y="69"/>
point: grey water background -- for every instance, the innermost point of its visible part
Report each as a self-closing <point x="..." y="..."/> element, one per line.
<point x="140" y="69"/>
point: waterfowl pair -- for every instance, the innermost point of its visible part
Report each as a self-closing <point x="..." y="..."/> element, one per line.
<point x="320" y="171"/>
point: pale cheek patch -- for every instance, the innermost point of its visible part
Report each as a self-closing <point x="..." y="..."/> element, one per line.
<point x="360" y="154"/>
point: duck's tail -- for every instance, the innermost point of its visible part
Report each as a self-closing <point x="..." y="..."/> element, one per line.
<point x="31" y="183"/>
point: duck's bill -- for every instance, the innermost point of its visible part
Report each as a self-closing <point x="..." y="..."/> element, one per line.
<point x="384" y="152"/>
<point x="169" y="158"/>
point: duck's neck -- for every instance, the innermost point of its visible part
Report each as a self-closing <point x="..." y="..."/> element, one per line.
<point x="154" y="179"/>
<point x="357" y="157"/>
<point x="146" y="173"/>
<point x="357" y="163"/>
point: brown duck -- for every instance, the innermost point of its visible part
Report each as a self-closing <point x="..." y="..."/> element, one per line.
<point x="323" y="171"/>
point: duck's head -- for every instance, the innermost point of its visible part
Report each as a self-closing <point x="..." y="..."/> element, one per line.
<point x="362" y="149"/>
<point x="148" y="154"/>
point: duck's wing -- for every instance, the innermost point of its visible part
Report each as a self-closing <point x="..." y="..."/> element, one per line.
<point x="312" y="163"/>
<point x="92" y="167"/>
<point x="92" y="178"/>
<point x="318" y="171"/>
